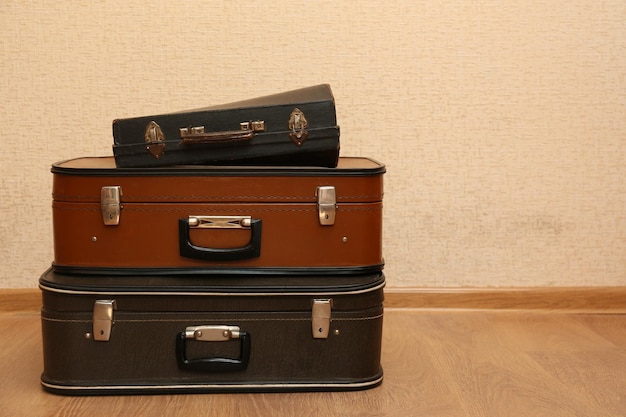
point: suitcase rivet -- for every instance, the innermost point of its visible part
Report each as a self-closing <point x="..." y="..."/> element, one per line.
<point x="94" y="238"/>
<point x="336" y="332"/>
<point x="87" y="335"/>
<point x="198" y="334"/>
<point x="344" y="239"/>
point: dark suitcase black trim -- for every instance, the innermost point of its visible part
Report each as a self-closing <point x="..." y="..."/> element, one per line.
<point x="287" y="386"/>
<point x="215" y="285"/>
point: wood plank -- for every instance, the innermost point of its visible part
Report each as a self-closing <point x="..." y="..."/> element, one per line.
<point x="22" y="299"/>
<point x="573" y="299"/>
<point x="495" y="371"/>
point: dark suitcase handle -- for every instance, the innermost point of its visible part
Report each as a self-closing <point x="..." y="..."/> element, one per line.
<point x="196" y="134"/>
<point x="213" y="334"/>
<point x="189" y="250"/>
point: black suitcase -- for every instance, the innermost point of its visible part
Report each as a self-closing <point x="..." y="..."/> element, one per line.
<point x="297" y="128"/>
<point x="164" y="334"/>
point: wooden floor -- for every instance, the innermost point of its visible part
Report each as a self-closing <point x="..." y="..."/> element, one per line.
<point x="437" y="362"/>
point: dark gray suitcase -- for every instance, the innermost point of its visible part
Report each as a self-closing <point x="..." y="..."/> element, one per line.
<point x="162" y="334"/>
<point x="296" y="127"/>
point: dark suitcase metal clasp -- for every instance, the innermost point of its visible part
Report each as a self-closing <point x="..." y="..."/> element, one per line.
<point x="298" y="125"/>
<point x="102" y="320"/>
<point x="320" y="318"/>
<point x="155" y="139"/>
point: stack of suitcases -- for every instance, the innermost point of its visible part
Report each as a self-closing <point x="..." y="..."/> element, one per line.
<point x="228" y="248"/>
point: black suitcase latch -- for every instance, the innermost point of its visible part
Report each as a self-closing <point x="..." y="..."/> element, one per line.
<point x="320" y="318"/>
<point x="103" y="320"/>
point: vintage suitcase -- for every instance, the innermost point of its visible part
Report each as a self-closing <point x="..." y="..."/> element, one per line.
<point x="140" y="334"/>
<point x="211" y="219"/>
<point x="293" y="128"/>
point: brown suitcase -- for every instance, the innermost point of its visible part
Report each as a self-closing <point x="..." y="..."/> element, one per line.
<point x="212" y="219"/>
<point x="164" y="334"/>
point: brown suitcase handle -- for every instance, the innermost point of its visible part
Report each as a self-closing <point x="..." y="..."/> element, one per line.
<point x="189" y="250"/>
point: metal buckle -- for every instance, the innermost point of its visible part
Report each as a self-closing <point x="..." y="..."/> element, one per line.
<point x="155" y="139"/>
<point x="103" y="319"/>
<point x="298" y="125"/>
<point x="110" y="204"/>
<point x="320" y="318"/>
<point x="326" y="204"/>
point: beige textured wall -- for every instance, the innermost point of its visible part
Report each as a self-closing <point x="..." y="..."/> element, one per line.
<point x="502" y="123"/>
